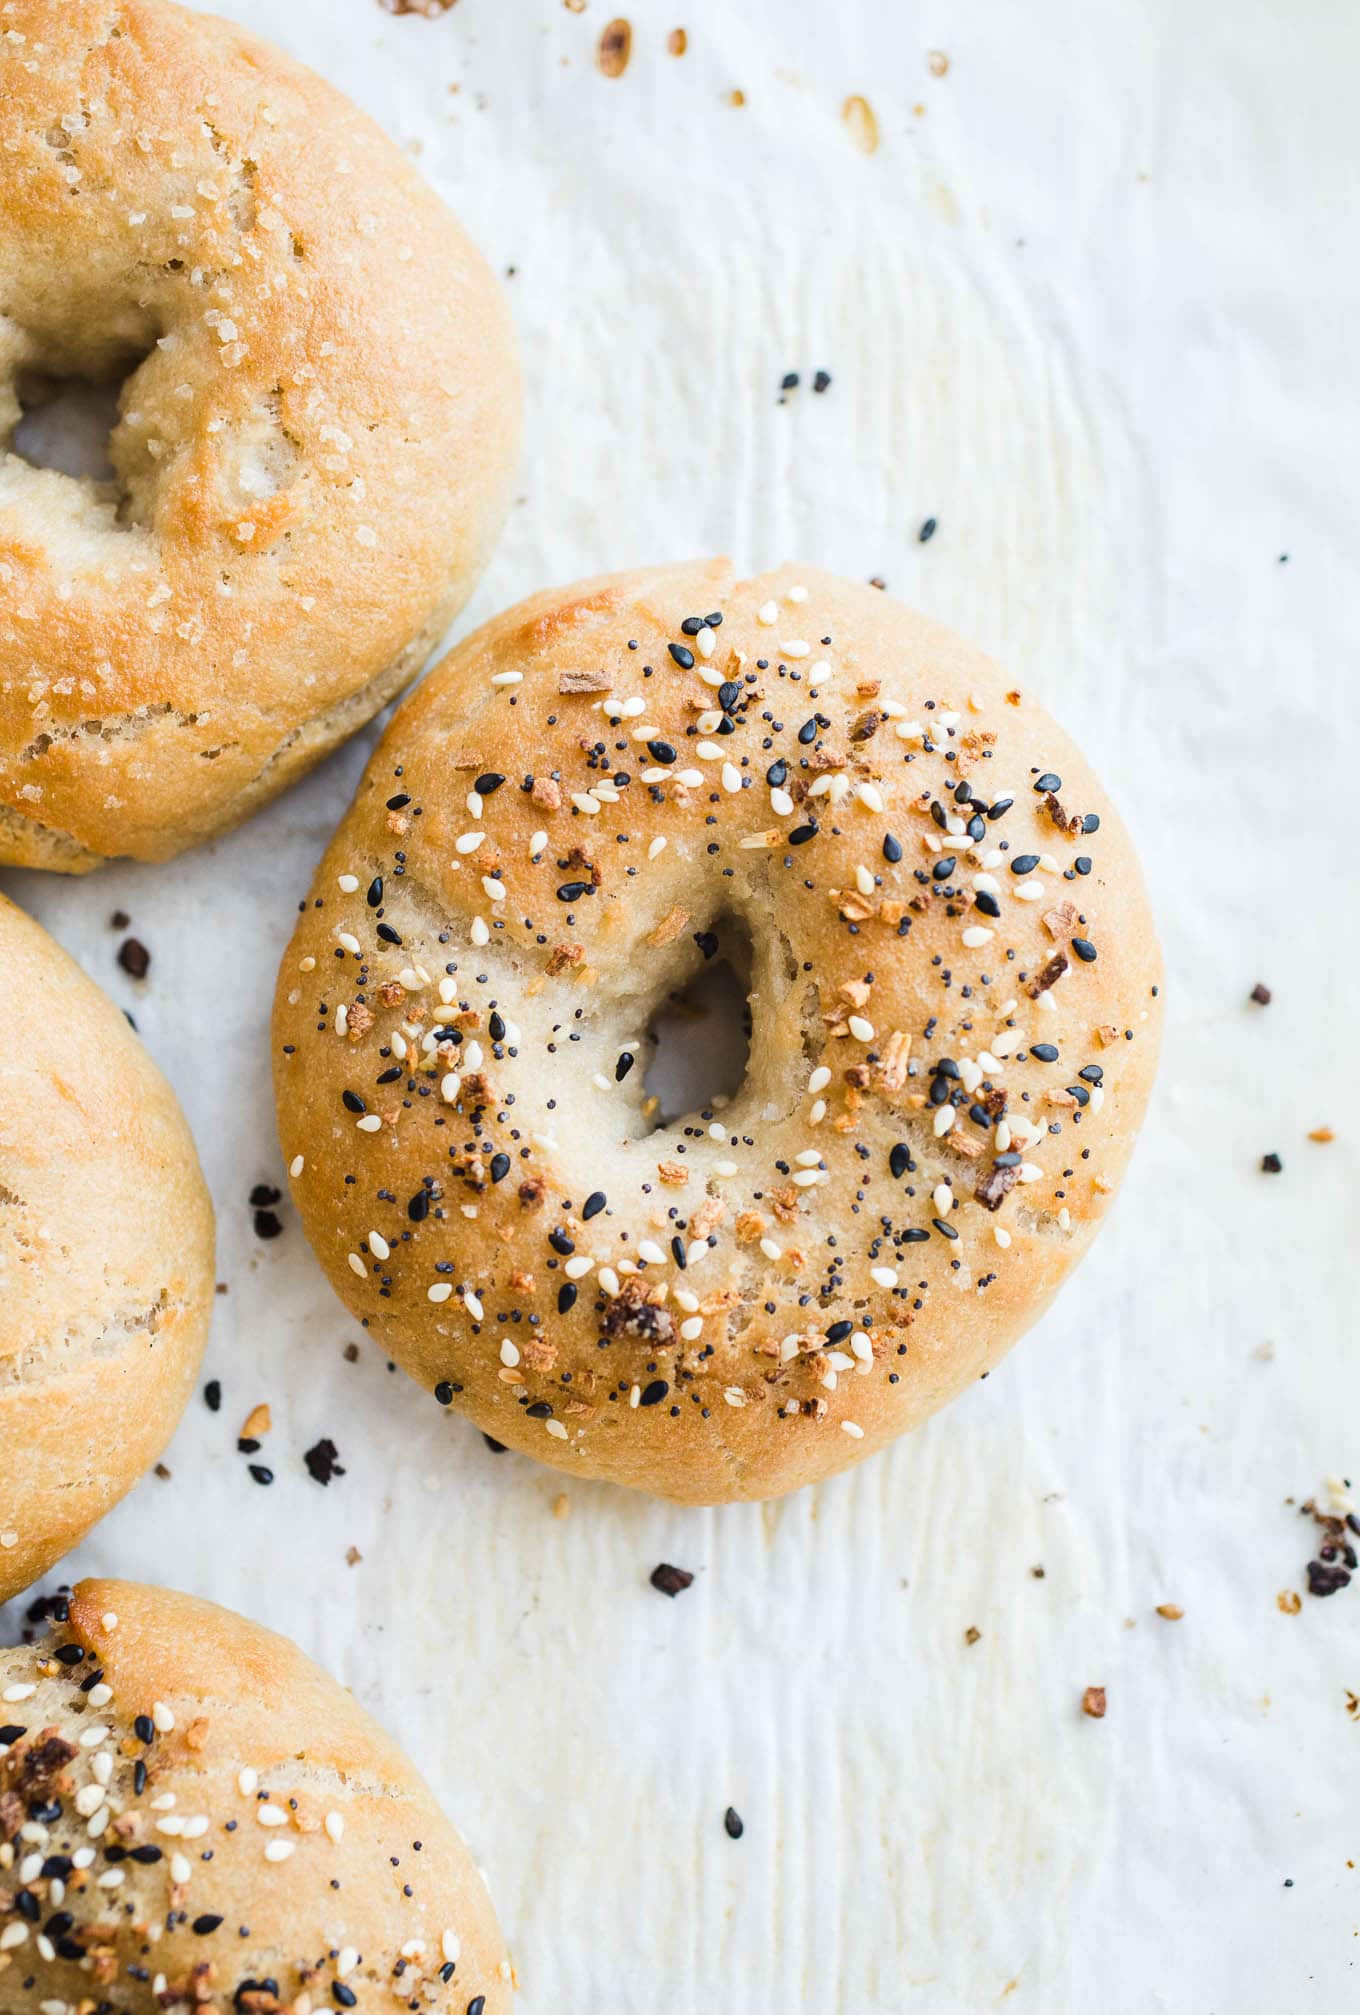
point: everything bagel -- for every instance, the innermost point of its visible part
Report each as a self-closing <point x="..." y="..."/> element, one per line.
<point x="952" y="979"/>
<point x="315" y="437"/>
<point x="197" y="1820"/>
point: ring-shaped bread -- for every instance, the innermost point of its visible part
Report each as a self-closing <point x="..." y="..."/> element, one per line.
<point x="315" y="438"/>
<point x="952" y="979"/>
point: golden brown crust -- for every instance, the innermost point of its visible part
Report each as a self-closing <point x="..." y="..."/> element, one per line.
<point x="106" y="1254"/>
<point x="903" y="980"/>
<point x="313" y="460"/>
<point x="229" y="1818"/>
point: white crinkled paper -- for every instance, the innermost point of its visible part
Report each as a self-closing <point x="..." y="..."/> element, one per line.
<point x="1091" y="305"/>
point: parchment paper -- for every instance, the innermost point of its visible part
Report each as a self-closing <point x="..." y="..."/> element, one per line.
<point x="1090" y="304"/>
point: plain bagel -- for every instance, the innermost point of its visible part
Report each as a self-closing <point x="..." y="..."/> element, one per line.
<point x="316" y="433"/>
<point x="952" y="980"/>
<point x="193" y="1818"/>
<point x="106" y="1255"/>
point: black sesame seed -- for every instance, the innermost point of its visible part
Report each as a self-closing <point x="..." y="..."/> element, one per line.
<point x="1049" y="781"/>
<point x="261" y="1475"/>
<point x="375" y="892"/>
<point x="945" y="867"/>
<point x="572" y="892"/>
<point x="1091" y="822"/>
<point x="395" y="804"/>
<point x="623" y="1066"/>
<point x="418" y="1209"/>
<point x="499" y="1168"/>
<point x="802" y="834"/>
<point x="1046" y="1052"/>
<point x="899" y="1161"/>
<point x="839" y="1331"/>
<point x="892" y="848"/>
<point x="653" y="1394"/>
<point x="808" y="732"/>
<point x="915" y="1234"/>
<point x="1082" y="864"/>
<point x="443" y="1392"/>
<point x="1000" y="808"/>
<point x="566" y="1296"/>
<point x="388" y="935"/>
<point x="489" y="782"/>
<point x="593" y="1205"/>
<point x="1084" y="950"/>
<point x="948" y="1229"/>
<point x="144" y="1728"/>
<point x="776" y="774"/>
<point x="988" y="904"/>
<point x="352" y="1102"/>
<point x="1024" y="864"/>
<point x="205" y="1924"/>
<point x="729" y="692"/>
<point x="683" y="657"/>
<point x="212" y="1395"/>
<point x="661" y="752"/>
<point x="560" y="1242"/>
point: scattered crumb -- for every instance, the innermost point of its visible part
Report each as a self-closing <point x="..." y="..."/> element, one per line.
<point x="352" y="1556"/>
<point x="670" y="1580"/>
<point x="937" y="63"/>
<point x="971" y="1634"/>
<point x="321" y="1460"/>
<point x="1171" y="1611"/>
<point x="1353" y="1704"/>
<point x="1271" y="1164"/>
<point x="928" y="531"/>
<point x="561" y="1505"/>
<point x="1261" y="995"/>
<point x="1289" y="1601"/>
<point x="858" y="116"/>
<point x="1093" y="1702"/>
<point x="119" y="921"/>
<point x="134" y="958"/>
<point x="1038" y="1573"/>
<point x="677" y="41"/>
<point x="427" y="8"/>
<point x="616" y="46"/>
<point x="162" y="1472"/>
<point x="351" y="1353"/>
<point x="1322" y="1133"/>
<point x="736" y="98"/>
<point x="257" y="1422"/>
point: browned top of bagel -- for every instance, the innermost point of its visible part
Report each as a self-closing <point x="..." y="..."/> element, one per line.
<point x="314" y="448"/>
<point x="106" y="1254"/>
<point x="194" y="1817"/>
<point x="947" y="927"/>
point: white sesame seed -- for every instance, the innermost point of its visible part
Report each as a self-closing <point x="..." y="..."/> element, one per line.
<point x="820" y="1078"/>
<point x="348" y="942"/>
<point x="346" y="1961"/>
<point x="806" y="1177"/>
<point x="807" y="1157"/>
<point x="853" y="1429"/>
<point x="537" y="842"/>
<point x="509" y="1352"/>
<point x="770" y="1249"/>
<point x="556" y="1429"/>
<point x="781" y="804"/>
<point x="860" y="1029"/>
<point x="796" y="647"/>
<point x="181" y="1868"/>
<point x="1028" y="892"/>
<point x="441" y="1291"/>
<point x="864" y="881"/>
<point x="870" y="796"/>
<point x="480" y="933"/>
<point x="449" y="1086"/>
<point x="976" y="935"/>
<point x="584" y="802"/>
<point x="944" y="1119"/>
<point x="335" y="1826"/>
<point x="649" y="1250"/>
<point x="657" y="846"/>
<point x="472" y="1304"/>
<point x="348" y="883"/>
<point x="768" y="614"/>
<point x="494" y="890"/>
<point x="247" y="1780"/>
<point x="1001" y="1235"/>
<point x="884" y="1276"/>
<point x="296" y="1166"/>
<point x="734" y="1396"/>
<point x="370" y="1123"/>
<point x="279" y="1850"/>
<point x="378" y="1246"/>
<point x="271" y="1815"/>
<point x="468" y="843"/>
<point x="943" y="1198"/>
<point x="578" y="1266"/>
<point x="450" y="1947"/>
<point x="507" y="678"/>
<point x="22" y="1691"/>
<point x="731" y="778"/>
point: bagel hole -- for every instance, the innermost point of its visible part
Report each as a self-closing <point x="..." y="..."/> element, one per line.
<point x="700" y="1031"/>
<point x="65" y="424"/>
